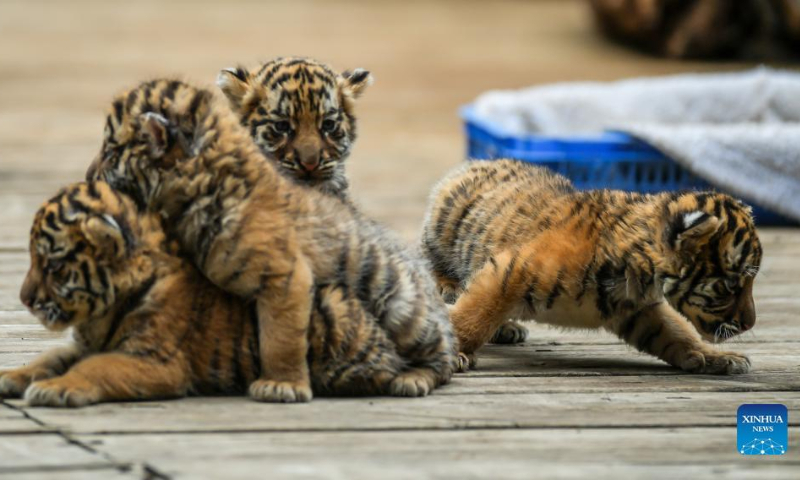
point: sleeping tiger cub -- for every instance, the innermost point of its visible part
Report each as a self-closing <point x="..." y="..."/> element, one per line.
<point x="511" y="240"/>
<point x="301" y="114"/>
<point x="148" y="325"/>
<point x="178" y="151"/>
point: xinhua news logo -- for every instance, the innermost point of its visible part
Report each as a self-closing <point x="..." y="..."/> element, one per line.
<point x="762" y="429"/>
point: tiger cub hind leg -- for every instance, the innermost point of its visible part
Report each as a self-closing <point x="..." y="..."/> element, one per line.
<point x="349" y="354"/>
<point x="663" y="332"/>
<point x="415" y="382"/>
<point x="510" y="333"/>
<point x="490" y="298"/>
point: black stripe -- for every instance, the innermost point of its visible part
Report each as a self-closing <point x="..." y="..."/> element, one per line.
<point x="366" y="275"/>
<point x="118" y="110"/>
<point x="646" y="340"/>
<point x="507" y="275"/>
<point x="555" y="292"/>
<point x="199" y="98"/>
<point x="130" y="303"/>
<point x="628" y="324"/>
<point x="254" y="341"/>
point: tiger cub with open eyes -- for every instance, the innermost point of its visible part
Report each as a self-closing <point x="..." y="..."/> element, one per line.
<point x="148" y="325"/>
<point x="179" y="151"/>
<point x="301" y="114"/>
<point x="510" y="240"/>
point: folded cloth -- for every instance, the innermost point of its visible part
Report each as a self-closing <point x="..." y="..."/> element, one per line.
<point x="739" y="131"/>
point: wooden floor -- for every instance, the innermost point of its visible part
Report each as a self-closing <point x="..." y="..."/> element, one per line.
<point x="568" y="405"/>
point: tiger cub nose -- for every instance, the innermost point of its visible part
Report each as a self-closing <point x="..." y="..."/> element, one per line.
<point x="310" y="164"/>
<point x="27" y="294"/>
<point x="308" y="157"/>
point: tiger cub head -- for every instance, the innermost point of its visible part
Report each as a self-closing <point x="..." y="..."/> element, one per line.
<point x="300" y="113"/>
<point x="717" y="255"/>
<point x="151" y="129"/>
<point x="85" y="249"/>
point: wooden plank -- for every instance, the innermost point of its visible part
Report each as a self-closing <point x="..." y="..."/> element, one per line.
<point x="13" y="420"/>
<point x="577" y="410"/>
<point x="505" y="385"/>
<point x="22" y="453"/>
<point x="509" y="454"/>
<point x="78" y="472"/>
<point x="614" y="359"/>
<point x="534" y="358"/>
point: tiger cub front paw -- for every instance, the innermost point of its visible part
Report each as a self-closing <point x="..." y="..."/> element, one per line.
<point x="717" y="363"/>
<point x="449" y="293"/>
<point x="13" y="383"/>
<point x="466" y="362"/>
<point x="510" y="333"/>
<point x="58" y="392"/>
<point x="280" y="392"/>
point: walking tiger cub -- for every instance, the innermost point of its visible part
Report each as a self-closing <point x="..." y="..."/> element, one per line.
<point x="178" y="151"/>
<point x="148" y="325"/>
<point x="509" y="240"/>
<point x="301" y="114"/>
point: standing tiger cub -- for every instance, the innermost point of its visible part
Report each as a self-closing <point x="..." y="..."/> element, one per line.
<point x="301" y="114"/>
<point x="146" y="324"/>
<point x="178" y="151"/>
<point x="511" y="240"/>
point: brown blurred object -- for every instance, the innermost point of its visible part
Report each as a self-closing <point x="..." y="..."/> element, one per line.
<point x="704" y="28"/>
<point x="788" y="16"/>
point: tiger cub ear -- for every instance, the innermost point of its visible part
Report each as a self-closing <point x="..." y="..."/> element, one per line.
<point x="355" y="82"/>
<point x="234" y="83"/>
<point x="105" y="234"/>
<point x="692" y="230"/>
<point x="155" y="133"/>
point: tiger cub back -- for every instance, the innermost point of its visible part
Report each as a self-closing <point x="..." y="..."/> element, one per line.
<point x="301" y="113"/>
<point x="510" y="240"/>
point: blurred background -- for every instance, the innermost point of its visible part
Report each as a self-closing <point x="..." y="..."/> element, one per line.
<point x="61" y="63"/>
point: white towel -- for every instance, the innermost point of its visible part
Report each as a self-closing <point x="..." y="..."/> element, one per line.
<point x="739" y="131"/>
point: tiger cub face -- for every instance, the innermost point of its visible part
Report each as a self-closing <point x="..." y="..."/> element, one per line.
<point x="721" y="255"/>
<point x="301" y="114"/>
<point x="76" y="249"/>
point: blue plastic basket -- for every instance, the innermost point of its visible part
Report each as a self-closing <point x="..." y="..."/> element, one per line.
<point x="608" y="160"/>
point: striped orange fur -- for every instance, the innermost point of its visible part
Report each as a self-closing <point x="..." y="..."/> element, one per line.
<point x="181" y="152"/>
<point x="148" y="325"/>
<point x="509" y="240"/>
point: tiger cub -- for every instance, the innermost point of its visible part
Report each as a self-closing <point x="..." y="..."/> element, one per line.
<point x="148" y="325"/>
<point x="301" y="114"/>
<point x="511" y="240"/>
<point x="178" y="151"/>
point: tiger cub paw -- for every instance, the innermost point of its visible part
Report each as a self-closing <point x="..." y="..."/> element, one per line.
<point x="717" y="363"/>
<point x="448" y="293"/>
<point x="510" y="333"/>
<point x="466" y="362"/>
<point x="13" y="383"/>
<point x="417" y="382"/>
<point x="280" y="392"/>
<point x="58" y="393"/>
